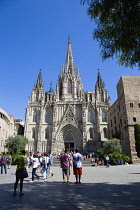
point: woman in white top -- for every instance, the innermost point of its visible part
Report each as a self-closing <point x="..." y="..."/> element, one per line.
<point x="35" y="162"/>
<point x="45" y="164"/>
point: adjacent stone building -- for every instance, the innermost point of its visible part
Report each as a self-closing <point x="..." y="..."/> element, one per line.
<point x="125" y="113"/>
<point x="67" y="117"/>
<point x="6" y="128"/>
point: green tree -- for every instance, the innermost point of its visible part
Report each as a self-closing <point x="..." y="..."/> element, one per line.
<point x="110" y="146"/>
<point x="16" y="144"/>
<point x="118" y="29"/>
<point x="137" y="138"/>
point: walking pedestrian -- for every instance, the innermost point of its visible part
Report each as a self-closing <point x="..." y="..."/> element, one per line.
<point x="77" y="166"/>
<point x="65" y="165"/>
<point x="35" y="162"/>
<point x="4" y="160"/>
<point x="9" y="162"/>
<point x="50" y="164"/>
<point x="45" y="164"/>
<point x="21" y="172"/>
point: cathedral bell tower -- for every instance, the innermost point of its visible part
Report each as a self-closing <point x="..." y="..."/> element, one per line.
<point x="69" y="86"/>
<point x="34" y="115"/>
<point x="100" y="90"/>
<point x="38" y="90"/>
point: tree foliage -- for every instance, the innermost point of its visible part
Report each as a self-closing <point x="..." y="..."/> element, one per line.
<point x="110" y="146"/>
<point x="118" y="29"/>
<point x="137" y="138"/>
<point x="16" y="144"/>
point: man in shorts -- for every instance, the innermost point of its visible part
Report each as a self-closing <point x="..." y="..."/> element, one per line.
<point x="77" y="166"/>
<point x="65" y="165"/>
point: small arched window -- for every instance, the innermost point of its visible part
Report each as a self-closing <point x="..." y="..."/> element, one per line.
<point x="134" y="119"/>
<point x="91" y="115"/>
<point x="35" y="116"/>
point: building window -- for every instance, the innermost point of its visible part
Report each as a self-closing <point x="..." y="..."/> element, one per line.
<point x="33" y="133"/>
<point x="119" y="108"/>
<point x="48" y="116"/>
<point x="134" y="119"/>
<point x="37" y="97"/>
<point x="104" y="116"/>
<point x="111" y="122"/>
<point x="60" y="89"/>
<point x="69" y="86"/>
<point x="91" y="133"/>
<point x="115" y="120"/>
<point x="112" y="133"/>
<point x="35" y="116"/>
<point x="115" y="130"/>
<point x="46" y="134"/>
<point x="105" y="132"/>
<point x="90" y="97"/>
<point x="90" y="116"/>
<point x="131" y="105"/>
<point x="139" y="105"/>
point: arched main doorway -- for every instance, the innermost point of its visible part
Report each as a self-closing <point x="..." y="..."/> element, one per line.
<point x="72" y="137"/>
<point x="69" y="142"/>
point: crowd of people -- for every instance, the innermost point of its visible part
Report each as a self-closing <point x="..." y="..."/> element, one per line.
<point x="41" y="163"/>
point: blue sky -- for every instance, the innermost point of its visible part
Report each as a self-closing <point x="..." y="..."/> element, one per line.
<point x="34" y="35"/>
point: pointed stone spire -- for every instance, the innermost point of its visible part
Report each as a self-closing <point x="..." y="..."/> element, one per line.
<point x="69" y="65"/>
<point x="51" y="89"/>
<point x="39" y="82"/>
<point x="99" y="82"/>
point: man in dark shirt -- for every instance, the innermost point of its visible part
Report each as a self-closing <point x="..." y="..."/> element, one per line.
<point x="65" y="165"/>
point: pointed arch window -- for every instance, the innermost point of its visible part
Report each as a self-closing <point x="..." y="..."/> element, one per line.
<point x="33" y="133"/>
<point x="48" y="116"/>
<point x="91" y="116"/>
<point x="60" y="89"/>
<point x="35" y="116"/>
<point x="105" y="132"/>
<point x="78" y="90"/>
<point x="104" y="118"/>
<point x="47" y="133"/>
<point x="90" y="97"/>
<point x="69" y="86"/>
<point x="91" y="133"/>
<point x="37" y="96"/>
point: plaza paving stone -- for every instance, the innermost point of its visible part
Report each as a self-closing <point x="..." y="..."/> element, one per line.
<point x="116" y="187"/>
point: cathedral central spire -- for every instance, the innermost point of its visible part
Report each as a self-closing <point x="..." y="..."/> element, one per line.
<point x="69" y="65"/>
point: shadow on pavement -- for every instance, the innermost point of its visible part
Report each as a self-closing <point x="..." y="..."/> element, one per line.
<point x="57" y="195"/>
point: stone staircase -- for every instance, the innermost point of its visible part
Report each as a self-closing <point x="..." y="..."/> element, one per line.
<point x="86" y="162"/>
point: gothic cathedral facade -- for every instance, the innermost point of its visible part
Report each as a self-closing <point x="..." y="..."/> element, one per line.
<point x="69" y="117"/>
